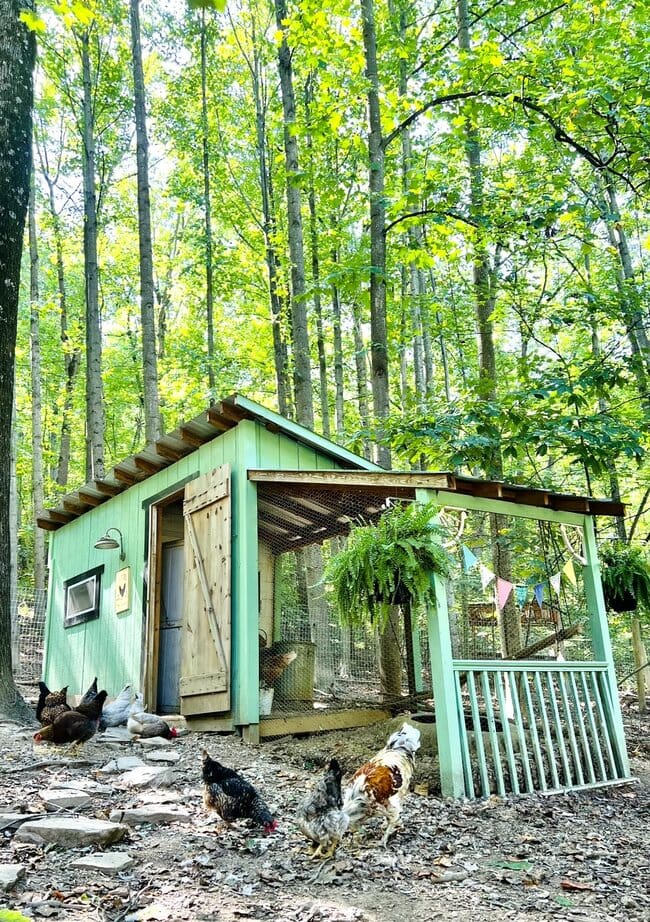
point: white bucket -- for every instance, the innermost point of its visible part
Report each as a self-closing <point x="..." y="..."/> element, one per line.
<point x="266" y="701"/>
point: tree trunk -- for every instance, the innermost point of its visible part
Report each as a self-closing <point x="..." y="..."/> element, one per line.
<point x="484" y="283"/>
<point x="277" y="301"/>
<point x="315" y="277"/>
<point x="337" y="338"/>
<point x="37" y="400"/>
<point x="361" y="375"/>
<point x="152" y="421"/>
<point x="207" y="211"/>
<point x="378" y="331"/>
<point x="17" y="55"/>
<point x="71" y="352"/>
<point x="95" y="416"/>
<point x="300" y="330"/>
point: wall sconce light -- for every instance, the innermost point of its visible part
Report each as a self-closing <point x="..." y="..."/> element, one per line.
<point x="106" y="543"/>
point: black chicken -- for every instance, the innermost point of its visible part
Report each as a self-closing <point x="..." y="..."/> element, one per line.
<point x="72" y="726"/>
<point x="232" y="797"/>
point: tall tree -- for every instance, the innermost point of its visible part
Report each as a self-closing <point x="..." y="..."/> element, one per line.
<point x="17" y="56"/>
<point x="152" y="420"/>
<point x="36" y="392"/>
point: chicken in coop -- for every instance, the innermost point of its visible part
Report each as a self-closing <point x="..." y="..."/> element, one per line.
<point x="50" y="704"/>
<point x="146" y="726"/>
<point x="382" y="783"/>
<point x="232" y="797"/>
<point x="272" y="665"/>
<point x="89" y="696"/>
<point x="320" y="816"/>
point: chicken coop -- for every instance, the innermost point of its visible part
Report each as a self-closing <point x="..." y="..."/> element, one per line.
<point x="196" y="570"/>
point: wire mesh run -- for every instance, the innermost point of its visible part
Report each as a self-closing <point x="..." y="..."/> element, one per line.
<point x="28" y="635"/>
<point x="515" y="591"/>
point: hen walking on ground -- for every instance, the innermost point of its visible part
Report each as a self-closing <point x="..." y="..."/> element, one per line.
<point x="382" y="783"/>
<point x="232" y="797"/>
<point x="320" y="816"/>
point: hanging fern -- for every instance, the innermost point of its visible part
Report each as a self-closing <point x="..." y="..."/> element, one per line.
<point x="625" y="575"/>
<point x="387" y="564"/>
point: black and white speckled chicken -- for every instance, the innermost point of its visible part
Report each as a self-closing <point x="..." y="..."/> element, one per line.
<point x="232" y="797"/>
<point x="320" y="816"/>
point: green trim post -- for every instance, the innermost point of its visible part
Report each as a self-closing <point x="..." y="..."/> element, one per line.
<point x="245" y="591"/>
<point x="599" y="629"/>
<point x="450" y="754"/>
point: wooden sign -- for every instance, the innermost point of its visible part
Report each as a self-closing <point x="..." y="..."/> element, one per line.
<point x="123" y="590"/>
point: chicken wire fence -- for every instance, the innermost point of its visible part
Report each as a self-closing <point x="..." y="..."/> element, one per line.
<point x="28" y="608"/>
<point x="515" y="591"/>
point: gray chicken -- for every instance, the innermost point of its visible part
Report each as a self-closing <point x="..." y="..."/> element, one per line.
<point x="116" y="713"/>
<point x="320" y="816"/>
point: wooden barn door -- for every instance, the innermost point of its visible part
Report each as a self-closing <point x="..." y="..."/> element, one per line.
<point x="205" y="661"/>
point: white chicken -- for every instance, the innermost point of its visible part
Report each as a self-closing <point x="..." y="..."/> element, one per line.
<point x="115" y="714"/>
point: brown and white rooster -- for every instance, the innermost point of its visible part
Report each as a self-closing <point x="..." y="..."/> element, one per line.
<point x="382" y="783"/>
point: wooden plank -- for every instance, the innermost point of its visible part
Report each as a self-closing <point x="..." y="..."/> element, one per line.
<point x="206" y="640"/>
<point x="125" y="475"/>
<point x="149" y="465"/>
<point x="210" y="723"/>
<point x="569" y="724"/>
<point x="91" y="499"/>
<point x="203" y="684"/>
<point x="521" y="731"/>
<point x="47" y="524"/>
<point x="193" y="438"/>
<point x="317" y="721"/>
<point x="587" y="759"/>
<point x="110" y="489"/>
<point x="546" y="729"/>
<point x="478" y="735"/>
<point x="464" y="741"/>
<point x="171" y="452"/>
<point x="363" y="480"/>
<point x="534" y="736"/>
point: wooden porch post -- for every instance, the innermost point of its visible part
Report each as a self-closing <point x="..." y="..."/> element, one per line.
<point x="601" y="640"/>
<point x="452" y="781"/>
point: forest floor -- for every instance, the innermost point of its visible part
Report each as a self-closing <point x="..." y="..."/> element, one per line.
<point x="579" y="856"/>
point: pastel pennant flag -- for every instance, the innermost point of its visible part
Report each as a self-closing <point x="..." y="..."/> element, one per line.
<point x="522" y="595"/>
<point x="504" y="588"/>
<point x="469" y="559"/>
<point x="555" y="581"/>
<point x="539" y="594"/>
<point x="569" y="572"/>
<point x="486" y="575"/>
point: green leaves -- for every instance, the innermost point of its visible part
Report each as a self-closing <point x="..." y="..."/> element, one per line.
<point x="387" y="563"/>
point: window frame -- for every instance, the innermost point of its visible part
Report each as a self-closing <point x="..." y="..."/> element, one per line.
<point x="88" y="614"/>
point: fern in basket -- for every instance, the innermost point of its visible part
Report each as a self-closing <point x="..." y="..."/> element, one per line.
<point x="386" y="564"/>
<point x="625" y="577"/>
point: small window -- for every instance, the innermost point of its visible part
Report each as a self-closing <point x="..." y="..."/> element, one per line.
<point x="82" y="594"/>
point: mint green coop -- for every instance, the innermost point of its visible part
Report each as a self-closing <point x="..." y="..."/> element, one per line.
<point x="210" y="600"/>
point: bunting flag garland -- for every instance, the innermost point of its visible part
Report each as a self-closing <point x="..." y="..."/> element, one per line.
<point x="522" y="595"/>
<point x="539" y="594"/>
<point x="469" y="558"/>
<point x="555" y="581"/>
<point x="486" y="576"/>
<point x="503" y="589"/>
<point x="569" y="572"/>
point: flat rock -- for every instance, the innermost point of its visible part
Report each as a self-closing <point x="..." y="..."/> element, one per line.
<point x="155" y="814"/>
<point x="72" y="832"/>
<point x="153" y="742"/>
<point x="125" y="764"/>
<point x="106" y="862"/>
<point x="8" y="820"/>
<point x="163" y="755"/>
<point x="115" y="735"/>
<point x="61" y="799"/>
<point x="149" y="776"/>
<point x="10" y="874"/>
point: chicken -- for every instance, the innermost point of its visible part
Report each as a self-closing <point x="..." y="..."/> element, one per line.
<point x="272" y="665"/>
<point x="50" y="704"/>
<point x="91" y="705"/>
<point x="232" y="797"/>
<point x="383" y="782"/>
<point x="116" y="713"/>
<point x="90" y="695"/>
<point x="320" y="816"/>
<point x="70" y="727"/>
<point x="148" y="725"/>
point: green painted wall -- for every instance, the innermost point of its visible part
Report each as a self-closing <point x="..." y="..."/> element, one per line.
<point x="111" y="646"/>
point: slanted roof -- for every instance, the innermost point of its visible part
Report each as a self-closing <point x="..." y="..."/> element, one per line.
<point x="182" y="441"/>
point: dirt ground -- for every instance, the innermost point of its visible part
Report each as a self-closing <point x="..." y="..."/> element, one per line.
<point x="573" y="856"/>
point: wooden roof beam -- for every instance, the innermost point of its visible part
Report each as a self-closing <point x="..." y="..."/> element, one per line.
<point x="195" y="439"/>
<point x="110" y="489"/>
<point x="218" y="420"/>
<point x="91" y="499"/>
<point x="124" y="475"/>
<point x="171" y="452"/>
<point x="148" y="465"/>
